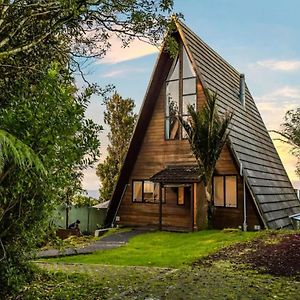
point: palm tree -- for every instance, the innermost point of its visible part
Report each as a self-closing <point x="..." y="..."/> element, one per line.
<point x="207" y="134"/>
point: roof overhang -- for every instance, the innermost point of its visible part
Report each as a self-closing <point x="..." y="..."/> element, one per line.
<point x="177" y="174"/>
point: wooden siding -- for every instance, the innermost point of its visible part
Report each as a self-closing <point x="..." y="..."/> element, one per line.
<point x="155" y="154"/>
<point x="250" y="142"/>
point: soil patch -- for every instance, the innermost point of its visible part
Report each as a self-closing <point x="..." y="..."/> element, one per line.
<point x="277" y="254"/>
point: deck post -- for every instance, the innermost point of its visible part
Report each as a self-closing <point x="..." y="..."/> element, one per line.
<point x="160" y="206"/>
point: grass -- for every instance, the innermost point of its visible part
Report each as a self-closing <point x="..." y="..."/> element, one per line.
<point x="163" y="249"/>
<point x="122" y="278"/>
<point x="220" y="281"/>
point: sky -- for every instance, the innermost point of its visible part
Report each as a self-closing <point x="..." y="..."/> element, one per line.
<point x="260" y="38"/>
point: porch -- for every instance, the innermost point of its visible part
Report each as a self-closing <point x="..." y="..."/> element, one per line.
<point x="177" y="186"/>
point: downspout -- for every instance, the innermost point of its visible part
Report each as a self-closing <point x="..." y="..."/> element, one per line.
<point x="244" y="198"/>
<point x="117" y="210"/>
<point x="243" y="102"/>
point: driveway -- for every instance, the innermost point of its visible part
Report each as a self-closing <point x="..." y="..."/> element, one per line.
<point x="111" y="241"/>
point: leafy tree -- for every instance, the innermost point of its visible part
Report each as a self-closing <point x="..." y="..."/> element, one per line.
<point x="80" y="200"/>
<point x="49" y="116"/>
<point x="29" y="26"/>
<point x="41" y="106"/>
<point x="207" y="134"/>
<point x="290" y="133"/>
<point x="120" y="118"/>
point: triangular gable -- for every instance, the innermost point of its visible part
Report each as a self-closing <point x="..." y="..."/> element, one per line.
<point x="250" y="142"/>
<point x="158" y="78"/>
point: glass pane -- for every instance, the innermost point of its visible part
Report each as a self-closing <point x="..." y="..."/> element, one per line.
<point x="188" y="120"/>
<point x="172" y="129"/>
<point x="189" y="86"/>
<point x="188" y="70"/>
<point x="172" y="98"/>
<point x="174" y="71"/>
<point x="137" y="191"/>
<point x="219" y="191"/>
<point x="188" y="100"/>
<point x="231" y="191"/>
<point x="148" y="191"/>
<point x="180" y="195"/>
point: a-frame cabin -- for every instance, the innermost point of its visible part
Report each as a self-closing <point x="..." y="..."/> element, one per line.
<point x="158" y="185"/>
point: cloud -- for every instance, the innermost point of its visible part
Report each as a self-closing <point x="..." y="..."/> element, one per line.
<point x="136" y="49"/>
<point x="274" y="105"/>
<point x="278" y="65"/>
<point x="91" y="180"/>
<point x="122" y="72"/>
<point x="289" y="161"/>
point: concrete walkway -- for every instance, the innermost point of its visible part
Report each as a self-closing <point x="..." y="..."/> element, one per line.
<point x="112" y="241"/>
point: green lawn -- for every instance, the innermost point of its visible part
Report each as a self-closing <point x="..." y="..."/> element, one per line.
<point x="220" y="281"/>
<point x="163" y="249"/>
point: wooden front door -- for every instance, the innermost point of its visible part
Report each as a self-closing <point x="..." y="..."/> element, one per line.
<point x="177" y="206"/>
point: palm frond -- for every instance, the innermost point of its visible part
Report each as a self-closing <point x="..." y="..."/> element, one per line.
<point x="207" y="134"/>
<point x="21" y="154"/>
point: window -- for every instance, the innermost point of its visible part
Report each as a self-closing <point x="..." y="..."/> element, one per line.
<point x="180" y="200"/>
<point x="180" y="92"/>
<point x="225" y="191"/>
<point x="178" y="194"/>
<point x="146" y="191"/>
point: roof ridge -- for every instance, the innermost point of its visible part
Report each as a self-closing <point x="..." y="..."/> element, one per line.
<point x="180" y="23"/>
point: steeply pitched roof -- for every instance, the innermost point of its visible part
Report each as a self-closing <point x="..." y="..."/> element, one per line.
<point x="177" y="174"/>
<point x="250" y="142"/>
<point x="249" y="139"/>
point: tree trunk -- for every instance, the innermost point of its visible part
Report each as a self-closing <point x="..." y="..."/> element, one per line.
<point x="201" y="207"/>
<point x="209" y="205"/>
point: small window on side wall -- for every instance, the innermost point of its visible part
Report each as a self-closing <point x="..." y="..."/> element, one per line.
<point x="137" y="193"/>
<point x="225" y="191"/>
<point x="146" y="191"/>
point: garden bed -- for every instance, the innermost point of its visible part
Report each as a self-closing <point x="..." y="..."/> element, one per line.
<point x="277" y="254"/>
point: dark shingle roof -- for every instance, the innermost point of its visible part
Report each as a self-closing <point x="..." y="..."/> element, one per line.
<point x="177" y="174"/>
<point x="250" y="141"/>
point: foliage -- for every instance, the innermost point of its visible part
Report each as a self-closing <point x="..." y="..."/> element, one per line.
<point x="207" y="134"/>
<point x="34" y="26"/>
<point x="19" y="153"/>
<point x="80" y="200"/>
<point x="120" y="118"/>
<point x="290" y="133"/>
<point x="154" y="249"/>
<point x="48" y="115"/>
<point x="41" y="106"/>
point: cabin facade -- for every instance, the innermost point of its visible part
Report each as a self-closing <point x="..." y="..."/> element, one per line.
<point x="159" y="186"/>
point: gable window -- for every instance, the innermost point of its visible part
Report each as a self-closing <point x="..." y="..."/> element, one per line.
<point x="180" y="92"/>
<point x="225" y="191"/>
<point x="146" y="191"/>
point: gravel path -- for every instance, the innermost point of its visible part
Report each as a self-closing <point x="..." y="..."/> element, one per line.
<point x="112" y="241"/>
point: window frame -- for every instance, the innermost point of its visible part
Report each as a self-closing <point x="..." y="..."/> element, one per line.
<point x="224" y="190"/>
<point x="181" y="135"/>
<point x="143" y="199"/>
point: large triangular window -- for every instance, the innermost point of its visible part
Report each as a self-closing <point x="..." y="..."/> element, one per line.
<point x="180" y="92"/>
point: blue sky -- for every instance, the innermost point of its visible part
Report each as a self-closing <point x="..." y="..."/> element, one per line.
<point x="260" y="38"/>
